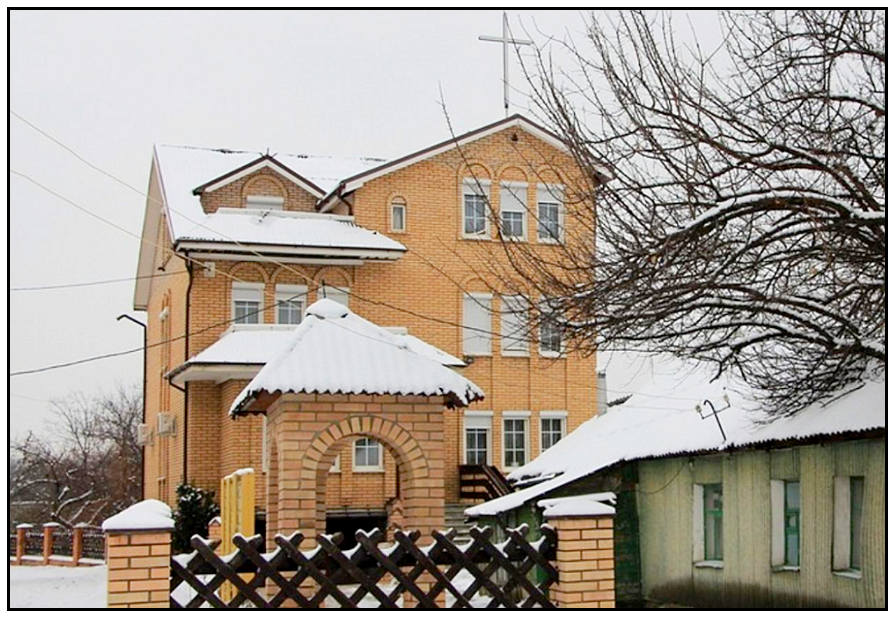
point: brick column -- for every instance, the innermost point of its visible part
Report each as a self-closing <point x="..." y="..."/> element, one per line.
<point x="21" y="531"/>
<point x="49" y="529"/>
<point x="138" y="555"/>
<point x="215" y="532"/>
<point x="77" y="544"/>
<point x="585" y="559"/>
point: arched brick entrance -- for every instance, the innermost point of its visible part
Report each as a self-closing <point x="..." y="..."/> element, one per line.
<point x="304" y="432"/>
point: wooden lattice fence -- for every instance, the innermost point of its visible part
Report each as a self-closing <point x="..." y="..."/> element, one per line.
<point x="372" y="574"/>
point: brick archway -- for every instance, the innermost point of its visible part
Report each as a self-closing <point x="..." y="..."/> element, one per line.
<point x="412" y="464"/>
<point x="305" y="431"/>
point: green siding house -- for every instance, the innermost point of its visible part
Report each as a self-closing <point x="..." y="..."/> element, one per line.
<point x="783" y="514"/>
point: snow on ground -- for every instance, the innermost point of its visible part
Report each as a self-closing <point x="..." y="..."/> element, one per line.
<point x="36" y="587"/>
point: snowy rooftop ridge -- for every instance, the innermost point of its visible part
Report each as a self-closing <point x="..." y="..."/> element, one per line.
<point x="334" y="351"/>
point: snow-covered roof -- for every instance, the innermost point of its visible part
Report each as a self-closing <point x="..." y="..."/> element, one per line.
<point x="665" y="424"/>
<point x="289" y="228"/>
<point x="146" y="515"/>
<point x="579" y="506"/>
<point x="183" y="169"/>
<point x="244" y="345"/>
<point x="335" y="351"/>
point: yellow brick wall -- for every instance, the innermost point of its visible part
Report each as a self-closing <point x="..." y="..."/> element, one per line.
<point x="431" y="190"/>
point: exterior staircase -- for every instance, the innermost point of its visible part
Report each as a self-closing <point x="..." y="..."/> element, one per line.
<point x="454" y="518"/>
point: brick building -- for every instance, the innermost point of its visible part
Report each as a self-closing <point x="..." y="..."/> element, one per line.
<point x="236" y="245"/>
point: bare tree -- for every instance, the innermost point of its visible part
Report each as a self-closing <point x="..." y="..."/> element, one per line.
<point x="88" y="469"/>
<point x="737" y="208"/>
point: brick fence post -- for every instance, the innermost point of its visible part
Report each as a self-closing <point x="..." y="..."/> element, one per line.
<point x="215" y="530"/>
<point x="21" y="532"/>
<point x="49" y="530"/>
<point x="77" y="544"/>
<point x="138" y="555"/>
<point x="584" y="554"/>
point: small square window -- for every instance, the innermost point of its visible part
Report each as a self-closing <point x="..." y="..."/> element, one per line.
<point x="291" y="301"/>
<point x="513" y="197"/>
<point x="553" y="428"/>
<point x="247" y="303"/>
<point x="367" y="455"/>
<point x="475" y="207"/>
<point x="550" y="213"/>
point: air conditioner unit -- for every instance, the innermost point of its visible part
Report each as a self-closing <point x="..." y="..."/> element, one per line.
<point x="165" y="424"/>
<point x="144" y="434"/>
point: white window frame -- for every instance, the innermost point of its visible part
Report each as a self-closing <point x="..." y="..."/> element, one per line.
<point x="842" y="525"/>
<point x="515" y="415"/>
<point x="264" y="202"/>
<point x="286" y="291"/>
<point x="699" y="558"/>
<point x="247" y="292"/>
<point x="778" y="525"/>
<point x="476" y="301"/>
<point x="511" y="320"/>
<point x="355" y="467"/>
<point x="552" y="415"/>
<point x="470" y="186"/>
<point x="336" y="293"/>
<point x="396" y="204"/>
<point x="544" y="307"/>
<point x="479" y="419"/>
<point x="512" y="201"/>
<point x="547" y="194"/>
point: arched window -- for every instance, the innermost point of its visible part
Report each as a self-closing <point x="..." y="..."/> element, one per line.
<point x="398" y="215"/>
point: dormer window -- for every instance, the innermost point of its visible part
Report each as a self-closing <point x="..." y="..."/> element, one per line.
<point x="264" y="202"/>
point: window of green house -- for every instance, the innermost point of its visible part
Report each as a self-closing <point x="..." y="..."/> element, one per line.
<point x="856" y="495"/>
<point x="791" y="522"/>
<point x="713" y="514"/>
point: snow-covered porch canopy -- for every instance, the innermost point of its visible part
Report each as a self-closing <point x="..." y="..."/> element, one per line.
<point x="333" y="351"/>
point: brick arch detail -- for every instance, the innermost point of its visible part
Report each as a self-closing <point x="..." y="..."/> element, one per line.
<point x="409" y="456"/>
<point x="249" y="272"/>
<point x="508" y="172"/>
<point x="333" y="275"/>
<point x="261" y="179"/>
<point x="287" y="274"/>
<point x="470" y="167"/>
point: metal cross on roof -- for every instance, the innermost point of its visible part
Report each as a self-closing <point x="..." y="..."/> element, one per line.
<point x="505" y="39"/>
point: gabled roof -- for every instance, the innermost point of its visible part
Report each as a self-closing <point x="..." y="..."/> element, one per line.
<point x="244" y="348"/>
<point x="334" y="351"/>
<point x="662" y="425"/>
<point x="518" y="121"/>
<point x="262" y="162"/>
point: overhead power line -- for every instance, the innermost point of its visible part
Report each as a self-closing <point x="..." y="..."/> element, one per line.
<point x="62" y="286"/>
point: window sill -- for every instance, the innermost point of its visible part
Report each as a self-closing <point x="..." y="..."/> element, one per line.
<point x="709" y="564"/>
<point x="513" y="354"/>
<point x="549" y="241"/>
<point x="478" y="354"/>
<point x="484" y="236"/>
<point x="544" y="354"/>
<point x="848" y="574"/>
<point x="785" y="568"/>
<point x="368" y="470"/>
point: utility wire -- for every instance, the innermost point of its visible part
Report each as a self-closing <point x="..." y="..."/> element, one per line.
<point x="62" y="286"/>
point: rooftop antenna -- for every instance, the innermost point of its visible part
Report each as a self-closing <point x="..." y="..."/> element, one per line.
<point x="505" y="39"/>
<point x="714" y="413"/>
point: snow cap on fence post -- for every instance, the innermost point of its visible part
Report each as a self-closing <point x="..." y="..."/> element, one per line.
<point x="584" y="549"/>
<point x="21" y="532"/>
<point x="49" y="528"/>
<point x="138" y="552"/>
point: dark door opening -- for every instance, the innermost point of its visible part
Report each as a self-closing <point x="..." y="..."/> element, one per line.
<point x="348" y="525"/>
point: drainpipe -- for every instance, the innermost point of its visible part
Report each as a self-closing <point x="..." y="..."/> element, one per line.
<point x="186" y="353"/>
<point x="142" y="399"/>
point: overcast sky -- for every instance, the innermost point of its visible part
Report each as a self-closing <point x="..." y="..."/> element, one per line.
<point x="111" y="84"/>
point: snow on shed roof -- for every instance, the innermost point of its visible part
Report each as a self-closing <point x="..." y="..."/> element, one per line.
<point x="335" y="351"/>
<point x="256" y="344"/>
<point x="184" y="168"/>
<point x="665" y="425"/>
